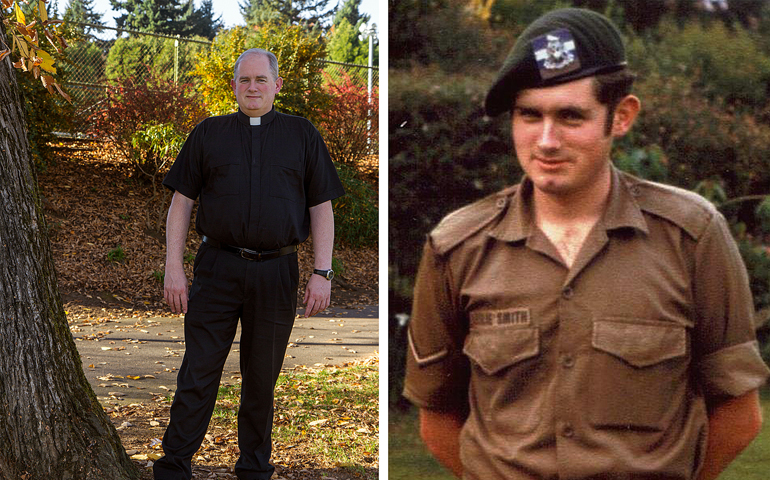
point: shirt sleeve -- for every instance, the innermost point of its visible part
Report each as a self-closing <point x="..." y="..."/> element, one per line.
<point x="185" y="175"/>
<point x="321" y="180"/>
<point x="437" y="372"/>
<point x="725" y="349"/>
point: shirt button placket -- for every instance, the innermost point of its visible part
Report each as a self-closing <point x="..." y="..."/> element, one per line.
<point x="568" y="361"/>
<point x="567" y="293"/>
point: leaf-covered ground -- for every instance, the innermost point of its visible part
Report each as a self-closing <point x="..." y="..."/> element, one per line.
<point x="109" y="265"/>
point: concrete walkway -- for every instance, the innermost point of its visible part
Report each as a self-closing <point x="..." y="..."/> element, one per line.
<point x="130" y="361"/>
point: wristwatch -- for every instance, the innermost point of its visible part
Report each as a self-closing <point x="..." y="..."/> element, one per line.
<point x="327" y="274"/>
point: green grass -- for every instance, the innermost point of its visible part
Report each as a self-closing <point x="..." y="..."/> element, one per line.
<point x="408" y="458"/>
<point x="331" y="413"/>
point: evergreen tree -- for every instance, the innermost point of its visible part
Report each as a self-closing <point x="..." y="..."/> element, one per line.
<point x="201" y="21"/>
<point x="82" y="11"/>
<point x="157" y="16"/>
<point x="346" y="43"/>
<point x="310" y="13"/>
<point x="350" y="11"/>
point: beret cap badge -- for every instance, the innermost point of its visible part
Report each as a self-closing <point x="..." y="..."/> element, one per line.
<point x="555" y="53"/>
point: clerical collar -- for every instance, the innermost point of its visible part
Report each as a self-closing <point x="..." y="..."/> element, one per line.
<point x="264" y="119"/>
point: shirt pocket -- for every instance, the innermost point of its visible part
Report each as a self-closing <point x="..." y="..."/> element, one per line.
<point x="286" y="180"/>
<point x="638" y="374"/>
<point x="506" y="371"/>
<point x="224" y="177"/>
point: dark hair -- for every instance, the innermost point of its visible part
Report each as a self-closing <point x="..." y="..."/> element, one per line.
<point x="610" y="89"/>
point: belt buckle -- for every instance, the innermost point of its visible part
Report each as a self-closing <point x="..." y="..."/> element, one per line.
<point x="250" y="254"/>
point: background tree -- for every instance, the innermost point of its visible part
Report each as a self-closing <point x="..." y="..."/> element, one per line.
<point x="82" y="11"/>
<point x="345" y="42"/>
<point x="51" y="424"/>
<point x="157" y="16"/>
<point x="201" y="21"/>
<point x="311" y="14"/>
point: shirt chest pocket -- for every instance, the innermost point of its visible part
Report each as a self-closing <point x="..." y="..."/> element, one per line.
<point x="638" y="374"/>
<point x="505" y="381"/>
<point x="224" y="177"/>
<point x="286" y="180"/>
<point x="495" y="349"/>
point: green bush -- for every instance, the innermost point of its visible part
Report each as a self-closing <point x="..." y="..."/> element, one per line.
<point x="720" y="62"/>
<point x="134" y="103"/>
<point x="443" y="34"/>
<point x="355" y="213"/>
<point x="444" y="153"/>
<point x="297" y="51"/>
<point x="136" y="56"/>
<point x="703" y="138"/>
<point x="156" y="146"/>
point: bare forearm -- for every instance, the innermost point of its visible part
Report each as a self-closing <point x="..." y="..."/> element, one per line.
<point x="733" y="424"/>
<point x="322" y="228"/>
<point x="441" y="433"/>
<point x="177" y="224"/>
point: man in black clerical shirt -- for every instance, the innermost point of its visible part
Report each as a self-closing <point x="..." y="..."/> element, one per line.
<point x="264" y="181"/>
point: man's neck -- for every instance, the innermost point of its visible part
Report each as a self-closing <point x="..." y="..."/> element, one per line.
<point x="567" y="220"/>
<point x="578" y="207"/>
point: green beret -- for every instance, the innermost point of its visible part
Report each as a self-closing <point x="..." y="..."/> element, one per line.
<point x="561" y="46"/>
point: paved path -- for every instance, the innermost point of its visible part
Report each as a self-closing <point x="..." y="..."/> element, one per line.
<point x="132" y="361"/>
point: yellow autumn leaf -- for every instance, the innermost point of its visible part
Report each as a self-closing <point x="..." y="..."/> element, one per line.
<point x="22" y="45"/>
<point x="42" y="11"/>
<point x="48" y="61"/>
<point x="19" y="14"/>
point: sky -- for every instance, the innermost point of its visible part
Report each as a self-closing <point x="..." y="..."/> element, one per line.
<point x="228" y="9"/>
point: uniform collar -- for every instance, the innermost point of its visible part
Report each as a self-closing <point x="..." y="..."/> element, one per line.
<point x="622" y="210"/>
<point x="265" y="119"/>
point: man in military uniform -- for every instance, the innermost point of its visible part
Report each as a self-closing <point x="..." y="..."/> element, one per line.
<point x="584" y="324"/>
<point x="264" y="180"/>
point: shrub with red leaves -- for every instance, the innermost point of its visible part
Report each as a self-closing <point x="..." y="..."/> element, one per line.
<point x="133" y="103"/>
<point x="345" y="124"/>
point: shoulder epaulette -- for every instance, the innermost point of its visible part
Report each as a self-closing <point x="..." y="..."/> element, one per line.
<point x="465" y="222"/>
<point x="684" y="208"/>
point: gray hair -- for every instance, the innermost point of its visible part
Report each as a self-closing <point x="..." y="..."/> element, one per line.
<point x="272" y="60"/>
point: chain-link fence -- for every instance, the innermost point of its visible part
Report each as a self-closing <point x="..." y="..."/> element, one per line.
<point x="96" y="63"/>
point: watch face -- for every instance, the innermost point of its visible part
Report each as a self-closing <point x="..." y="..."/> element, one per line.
<point x="327" y="274"/>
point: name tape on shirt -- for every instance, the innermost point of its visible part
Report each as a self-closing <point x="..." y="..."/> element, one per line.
<point x="490" y="318"/>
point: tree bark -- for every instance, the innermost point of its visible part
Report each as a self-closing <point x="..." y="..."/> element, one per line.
<point x="51" y="424"/>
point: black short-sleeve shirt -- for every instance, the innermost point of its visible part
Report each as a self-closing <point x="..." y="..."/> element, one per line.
<point x="255" y="182"/>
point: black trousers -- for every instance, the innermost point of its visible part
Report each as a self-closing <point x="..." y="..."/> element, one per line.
<point x="226" y="288"/>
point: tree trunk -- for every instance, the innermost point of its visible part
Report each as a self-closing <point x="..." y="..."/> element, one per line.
<point x="51" y="424"/>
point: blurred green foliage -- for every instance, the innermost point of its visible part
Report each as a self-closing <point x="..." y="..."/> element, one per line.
<point x="356" y="217"/>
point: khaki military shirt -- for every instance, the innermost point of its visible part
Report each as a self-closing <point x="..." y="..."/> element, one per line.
<point x="596" y="371"/>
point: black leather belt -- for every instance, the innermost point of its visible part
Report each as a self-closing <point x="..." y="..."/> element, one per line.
<point x="251" y="254"/>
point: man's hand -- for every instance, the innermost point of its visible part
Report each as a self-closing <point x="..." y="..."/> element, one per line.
<point x="317" y="295"/>
<point x="175" y="288"/>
